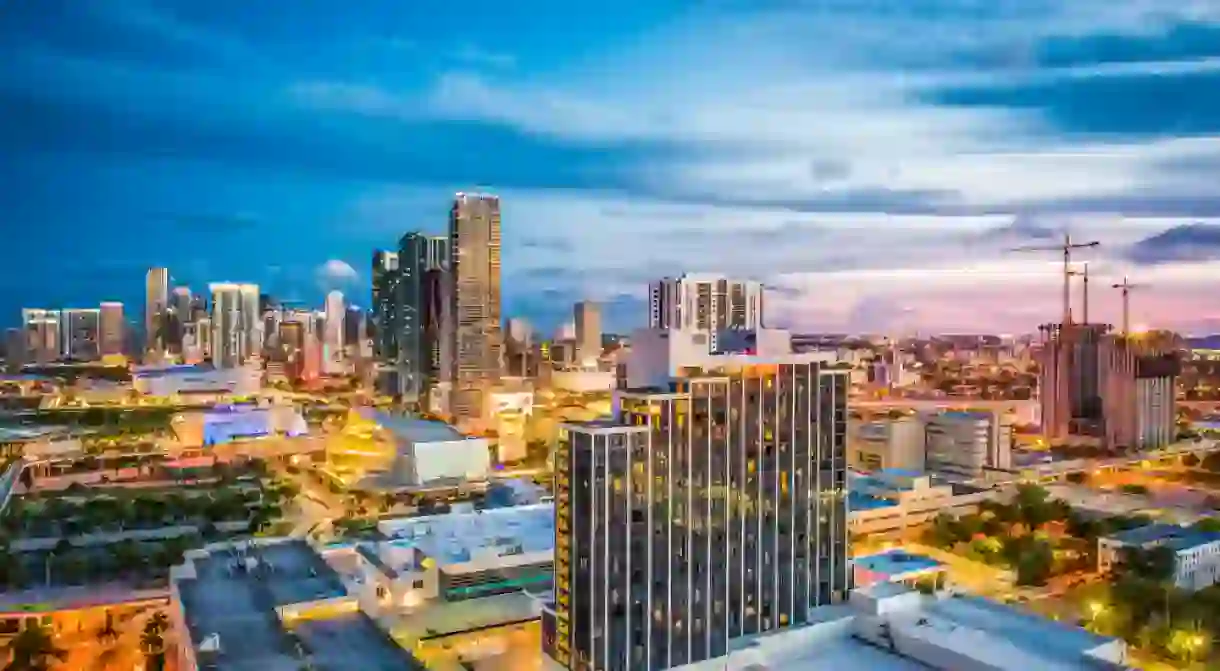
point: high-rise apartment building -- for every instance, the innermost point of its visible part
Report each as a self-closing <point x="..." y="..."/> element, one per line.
<point x="156" y="305"/>
<point x="385" y="276"/>
<point x="704" y="302"/>
<point x="178" y="315"/>
<point x="80" y="334"/>
<point x="588" y="320"/>
<point x="236" y="324"/>
<point x="706" y="512"/>
<point x="41" y="330"/>
<point x="332" y="334"/>
<point x="355" y="330"/>
<point x="474" y="303"/>
<point x="423" y="263"/>
<point x="112" y="326"/>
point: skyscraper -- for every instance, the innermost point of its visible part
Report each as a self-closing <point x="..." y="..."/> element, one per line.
<point x="474" y="238"/>
<point x="386" y="276"/>
<point x="112" y="329"/>
<point x="156" y="303"/>
<point x="41" y="330"/>
<point x="236" y="324"/>
<point x="588" y="321"/>
<point x="423" y="263"/>
<point x="709" y="511"/>
<point x="80" y="333"/>
<point x="332" y="335"/>
<point x="179" y="314"/>
<point x="704" y="302"/>
<point x="355" y="329"/>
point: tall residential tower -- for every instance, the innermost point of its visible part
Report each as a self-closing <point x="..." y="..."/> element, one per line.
<point x="708" y="511"/>
<point x="156" y="305"/>
<point x="474" y="303"/>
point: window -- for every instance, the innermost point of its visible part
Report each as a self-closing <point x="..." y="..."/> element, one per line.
<point x="418" y="584"/>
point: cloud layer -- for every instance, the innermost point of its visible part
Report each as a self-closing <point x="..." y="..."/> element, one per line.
<point x="872" y="162"/>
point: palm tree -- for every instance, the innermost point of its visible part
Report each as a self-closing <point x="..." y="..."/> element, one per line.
<point x="33" y="650"/>
<point x="152" y="641"/>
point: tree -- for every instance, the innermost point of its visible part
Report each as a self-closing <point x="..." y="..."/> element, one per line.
<point x="1208" y="524"/>
<point x="33" y="649"/>
<point x="152" y="641"/>
<point x="1034" y="563"/>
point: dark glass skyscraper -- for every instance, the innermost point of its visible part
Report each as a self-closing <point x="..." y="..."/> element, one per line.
<point x="423" y="261"/>
<point x="708" y="511"/>
<point x="385" y="278"/>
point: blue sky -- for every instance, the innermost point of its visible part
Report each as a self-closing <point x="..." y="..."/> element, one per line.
<point x="869" y="160"/>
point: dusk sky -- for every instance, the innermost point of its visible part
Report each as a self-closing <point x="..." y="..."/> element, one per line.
<point x="870" y="160"/>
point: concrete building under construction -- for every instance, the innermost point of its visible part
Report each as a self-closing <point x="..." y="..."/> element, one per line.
<point x="1114" y="387"/>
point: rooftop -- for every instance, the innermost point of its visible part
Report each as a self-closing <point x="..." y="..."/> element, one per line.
<point x="977" y="415"/>
<point x="896" y="563"/>
<point x="1039" y="638"/>
<point x="923" y="633"/>
<point x="169" y="371"/>
<point x="239" y="606"/>
<point x="413" y="429"/>
<point x="456" y="537"/>
<point x="1168" y="535"/>
<point x="351" y="641"/>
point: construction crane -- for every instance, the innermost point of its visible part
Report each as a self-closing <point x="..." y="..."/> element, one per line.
<point x="1066" y="248"/>
<point x="1083" y="273"/>
<point x="1127" y="287"/>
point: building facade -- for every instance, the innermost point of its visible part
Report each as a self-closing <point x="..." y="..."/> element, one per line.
<point x="333" y="331"/>
<point x="424" y="264"/>
<point x="967" y="444"/>
<point x="707" y="512"/>
<point x="385" y="278"/>
<point x="40" y="329"/>
<point x="81" y="334"/>
<point x="112" y="327"/>
<point x="705" y="303"/>
<point x="156" y="304"/>
<point x="588" y="320"/>
<point x="236" y="324"/>
<point x="1139" y="395"/>
<point x="474" y="303"/>
<point x="892" y="442"/>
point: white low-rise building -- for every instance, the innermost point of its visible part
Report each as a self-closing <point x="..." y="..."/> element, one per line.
<point x="966" y="445"/>
<point x="894" y="500"/>
<point x="888" y="627"/>
<point x="1196" y="553"/>
<point x="452" y="557"/>
<point x="178" y="380"/>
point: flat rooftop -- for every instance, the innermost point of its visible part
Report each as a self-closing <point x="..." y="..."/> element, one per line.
<point x="992" y="634"/>
<point x="239" y="607"/>
<point x="1168" y="535"/>
<point x="1037" y="637"/>
<point x="896" y="563"/>
<point x="351" y="641"/>
<point x="413" y="429"/>
<point x="454" y="538"/>
<point x="807" y="649"/>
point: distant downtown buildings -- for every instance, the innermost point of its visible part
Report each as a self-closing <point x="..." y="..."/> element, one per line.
<point x="437" y="310"/>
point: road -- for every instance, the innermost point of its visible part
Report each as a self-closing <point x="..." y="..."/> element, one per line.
<point x="317" y="507"/>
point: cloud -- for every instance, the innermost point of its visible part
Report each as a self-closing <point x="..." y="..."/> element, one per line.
<point x="335" y="271"/>
<point x="1187" y="242"/>
<point x="470" y="54"/>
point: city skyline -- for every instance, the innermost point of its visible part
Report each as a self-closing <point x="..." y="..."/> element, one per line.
<point x="874" y="183"/>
